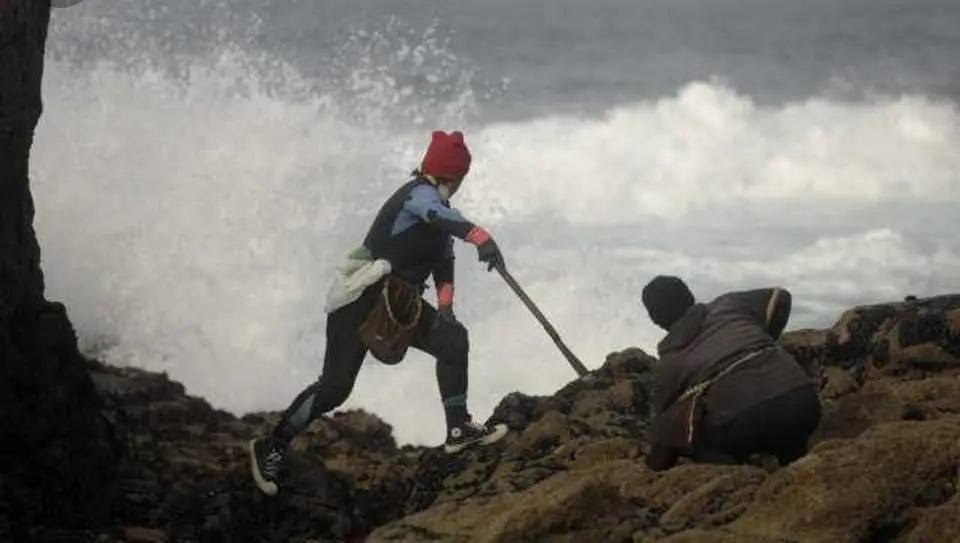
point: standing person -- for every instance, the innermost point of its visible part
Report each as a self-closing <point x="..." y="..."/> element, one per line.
<point x="375" y="305"/>
<point x="724" y="389"/>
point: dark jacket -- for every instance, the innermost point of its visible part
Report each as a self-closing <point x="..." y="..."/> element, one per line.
<point x="414" y="231"/>
<point x="709" y="338"/>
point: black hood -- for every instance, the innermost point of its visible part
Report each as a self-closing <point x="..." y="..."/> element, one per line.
<point x="667" y="298"/>
<point x="684" y="330"/>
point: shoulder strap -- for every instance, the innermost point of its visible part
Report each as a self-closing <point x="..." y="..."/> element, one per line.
<point x="771" y="306"/>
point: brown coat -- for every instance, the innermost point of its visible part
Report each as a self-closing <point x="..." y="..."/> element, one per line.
<point x="707" y="340"/>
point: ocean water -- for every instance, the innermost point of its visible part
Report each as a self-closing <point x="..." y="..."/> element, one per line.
<point x="202" y="166"/>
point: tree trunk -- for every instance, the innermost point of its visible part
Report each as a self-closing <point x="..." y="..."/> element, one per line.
<point x="57" y="450"/>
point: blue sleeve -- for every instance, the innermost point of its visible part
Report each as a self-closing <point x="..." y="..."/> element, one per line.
<point x="424" y="202"/>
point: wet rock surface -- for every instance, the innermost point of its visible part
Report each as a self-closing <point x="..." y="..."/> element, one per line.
<point x="883" y="467"/>
<point x="186" y="474"/>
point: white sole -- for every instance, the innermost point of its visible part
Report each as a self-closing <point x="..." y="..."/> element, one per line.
<point x="268" y="488"/>
<point x="498" y="433"/>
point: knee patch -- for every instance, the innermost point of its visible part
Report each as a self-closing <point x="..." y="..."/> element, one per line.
<point x="302" y="413"/>
<point x="334" y="394"/>
<point x="450" y="340"/>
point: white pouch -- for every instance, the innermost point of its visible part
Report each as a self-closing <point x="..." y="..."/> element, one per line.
<point x="351" y="277"/>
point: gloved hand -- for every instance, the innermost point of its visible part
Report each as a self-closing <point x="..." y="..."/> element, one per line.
<point x="489" y="252"/>
<point x="446" y="312"/>
<point x="822" y="378"/>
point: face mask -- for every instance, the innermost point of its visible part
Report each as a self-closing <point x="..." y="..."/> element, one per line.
<point x="444" y="191"/>
<point x="447" y="190"/>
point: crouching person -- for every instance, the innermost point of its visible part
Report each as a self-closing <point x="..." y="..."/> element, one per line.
<point x="724" y="389"/>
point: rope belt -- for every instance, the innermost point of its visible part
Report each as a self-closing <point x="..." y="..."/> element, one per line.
<point x="699" y="389"/>
<point x="405" y="289"/>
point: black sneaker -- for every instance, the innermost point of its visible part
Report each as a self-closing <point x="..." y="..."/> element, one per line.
<point x="266" y="459"/>
<point x="470" y="433"/>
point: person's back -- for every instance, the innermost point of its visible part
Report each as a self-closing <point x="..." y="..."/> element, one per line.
<point x="400" y="235"/>
<point x="723" y="385"/>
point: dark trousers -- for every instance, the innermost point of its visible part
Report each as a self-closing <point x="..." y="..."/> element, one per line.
<point x="780" y="426"/>
<point x="445" y="340"/>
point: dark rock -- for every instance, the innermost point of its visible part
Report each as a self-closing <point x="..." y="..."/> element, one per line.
<point x="57" y="451"/>
<point x="570" y="470"/>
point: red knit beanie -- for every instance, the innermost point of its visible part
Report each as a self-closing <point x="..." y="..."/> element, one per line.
<point x="446" y="156"/>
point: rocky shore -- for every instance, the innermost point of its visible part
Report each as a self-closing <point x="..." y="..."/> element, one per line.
<point x="90" y="452"/>
<point x="884" y="466"/>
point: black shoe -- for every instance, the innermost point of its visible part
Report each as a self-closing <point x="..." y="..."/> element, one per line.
<point x="470" y="433"/>
<point x="266" y="458"/>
